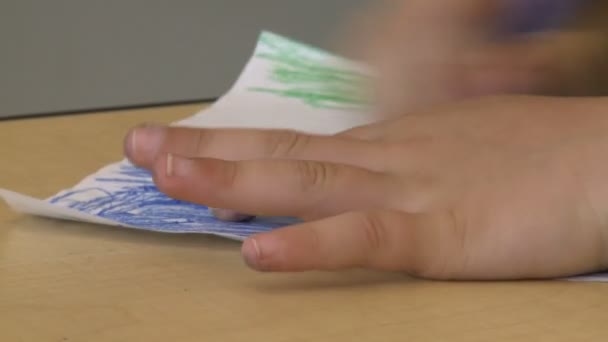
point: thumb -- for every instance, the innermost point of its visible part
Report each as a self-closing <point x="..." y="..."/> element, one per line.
<point x="420" y="245"/>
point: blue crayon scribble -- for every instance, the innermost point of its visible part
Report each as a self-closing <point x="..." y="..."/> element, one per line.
<point x="137" y="202"/>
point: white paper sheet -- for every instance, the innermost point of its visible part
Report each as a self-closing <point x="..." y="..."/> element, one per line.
<point x="285" y="85"/>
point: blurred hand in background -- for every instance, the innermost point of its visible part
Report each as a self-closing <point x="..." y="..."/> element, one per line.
<point x="428" y="52"/>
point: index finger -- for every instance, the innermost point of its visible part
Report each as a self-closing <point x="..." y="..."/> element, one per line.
<point x="248" y="144"/>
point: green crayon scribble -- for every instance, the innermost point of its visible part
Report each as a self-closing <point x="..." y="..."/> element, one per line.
<point x="321" y="99"/>
<point x="300" y="73"/>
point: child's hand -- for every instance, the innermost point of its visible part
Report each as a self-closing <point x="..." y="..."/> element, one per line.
<point x="431" y="52"/>
<point x="498" y="188"/>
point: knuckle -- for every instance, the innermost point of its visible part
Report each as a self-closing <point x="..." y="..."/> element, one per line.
<point x="374" y="232"/>
<point x="313" y="175"/>
<point x="447" y="257"/>
<point x="285" y="143"/>
<point x="321" y="255"/>
<point x="225" y="174"/>
<point x="216" y="178"/>
<point x="202" y="141"/>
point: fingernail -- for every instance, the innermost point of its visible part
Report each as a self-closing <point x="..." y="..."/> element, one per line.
<point x="178" y="166"/>
<point x="230" y="215"/>
<point x="169" y="165"/>
<point x="251" y="253"/>
<point x="143" y="143"/>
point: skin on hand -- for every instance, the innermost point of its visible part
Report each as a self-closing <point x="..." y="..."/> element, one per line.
<point x="429" y="52"/>
<point x="433" y="52"/>
<point x="495" y="188"/>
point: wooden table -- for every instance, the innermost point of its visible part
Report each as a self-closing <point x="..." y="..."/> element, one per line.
<point x="64" y="281"/>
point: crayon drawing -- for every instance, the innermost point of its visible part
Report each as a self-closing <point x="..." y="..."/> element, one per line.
<point x="299" y="72"/>
<point x="134" y="200"/>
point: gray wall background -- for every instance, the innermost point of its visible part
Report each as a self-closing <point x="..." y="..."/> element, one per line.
<point x="68" y="55"/>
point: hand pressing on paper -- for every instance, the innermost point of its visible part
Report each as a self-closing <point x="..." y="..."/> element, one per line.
<point x="432" y="52"/>
<point x="495" y="188"/>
